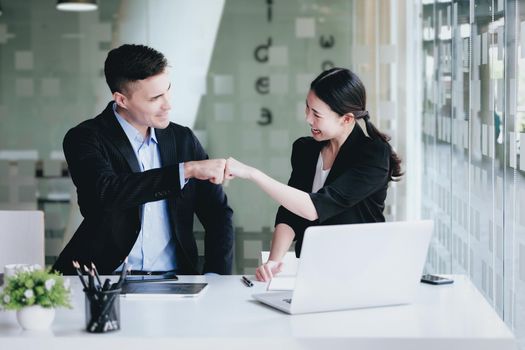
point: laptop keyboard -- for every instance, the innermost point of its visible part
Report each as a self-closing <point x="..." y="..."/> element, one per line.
<point x="288" y="300"/>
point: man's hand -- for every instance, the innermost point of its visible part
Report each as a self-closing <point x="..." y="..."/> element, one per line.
<point x="209" y="169"/>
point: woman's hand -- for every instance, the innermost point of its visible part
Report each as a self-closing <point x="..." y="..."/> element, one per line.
<point x="266" y="271"/>
<point x="234" y="168"/>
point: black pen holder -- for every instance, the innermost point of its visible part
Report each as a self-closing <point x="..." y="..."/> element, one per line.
<point x="102" y="311"/>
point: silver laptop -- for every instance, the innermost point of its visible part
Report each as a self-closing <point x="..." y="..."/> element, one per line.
<point x="356" y="266"/>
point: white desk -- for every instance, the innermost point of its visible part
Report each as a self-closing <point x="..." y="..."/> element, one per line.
<point x="444" y="317"/>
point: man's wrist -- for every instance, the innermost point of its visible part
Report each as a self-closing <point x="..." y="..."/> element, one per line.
<point x="188" y="170"/>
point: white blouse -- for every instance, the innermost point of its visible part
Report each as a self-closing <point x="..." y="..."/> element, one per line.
<point x="320" y="175"/>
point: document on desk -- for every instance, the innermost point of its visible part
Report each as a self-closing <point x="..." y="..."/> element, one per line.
<point x="156" y="290"/>
<point x="281" y="283"/>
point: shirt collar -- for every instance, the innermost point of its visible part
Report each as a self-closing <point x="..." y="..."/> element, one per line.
<point x="134" y="136"/>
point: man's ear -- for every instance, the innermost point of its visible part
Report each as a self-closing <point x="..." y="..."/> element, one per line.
<point x="120" y="99"/>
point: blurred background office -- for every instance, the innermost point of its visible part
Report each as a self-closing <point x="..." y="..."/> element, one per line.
<point x="445" y="80"/>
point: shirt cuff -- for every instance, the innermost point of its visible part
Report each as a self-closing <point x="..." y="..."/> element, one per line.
<point x="183" y="180"/>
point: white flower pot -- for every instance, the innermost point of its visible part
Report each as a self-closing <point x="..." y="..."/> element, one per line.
<point x="35" y="318"/>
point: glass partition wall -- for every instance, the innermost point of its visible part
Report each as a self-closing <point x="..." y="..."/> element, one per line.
<point x="265" y="56"/>
<point x="472" y="128"/>
<point x="240" y="74"/>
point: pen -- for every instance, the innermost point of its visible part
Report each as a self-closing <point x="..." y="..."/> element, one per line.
<point x="122" y="278"/>
<point x="247" y="281"/>
<point x="106" y="285"/>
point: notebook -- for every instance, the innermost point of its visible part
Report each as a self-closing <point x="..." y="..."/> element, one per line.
<point x="356" y="266"/>
<point x="162" y="290"/>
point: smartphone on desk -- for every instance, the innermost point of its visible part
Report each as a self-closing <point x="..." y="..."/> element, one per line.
<point x="433" y="279"/>
<point x="169" y="276"/>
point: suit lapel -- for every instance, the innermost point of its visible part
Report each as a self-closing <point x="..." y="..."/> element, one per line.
<point x="344" y="157"/>
<point x="168" y="156"/>
<point x="167" y="146"/>
<point x="118" y="137"/>
<point x="310" y="164"/>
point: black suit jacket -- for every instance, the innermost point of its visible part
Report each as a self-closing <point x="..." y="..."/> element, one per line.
<point x="111" y="191"/>
<point x="355" y="189"/>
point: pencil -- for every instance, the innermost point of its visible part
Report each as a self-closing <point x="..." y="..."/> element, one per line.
<point x="94" y="268"/>
<point x="76" y="265"/>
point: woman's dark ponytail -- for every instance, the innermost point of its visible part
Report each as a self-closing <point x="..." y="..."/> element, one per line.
<point x="395" y="161"/>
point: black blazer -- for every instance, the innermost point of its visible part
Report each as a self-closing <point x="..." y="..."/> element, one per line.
<point x="111" y="190"/>
<point x="355" y="189"/>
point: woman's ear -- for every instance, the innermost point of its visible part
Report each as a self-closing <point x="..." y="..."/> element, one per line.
<point x="348" y="118"/>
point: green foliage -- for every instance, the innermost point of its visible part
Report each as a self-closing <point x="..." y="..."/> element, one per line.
<point x="35" y="287"/>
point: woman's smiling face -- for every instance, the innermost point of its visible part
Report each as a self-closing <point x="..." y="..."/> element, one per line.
<point x="325" y="124"/>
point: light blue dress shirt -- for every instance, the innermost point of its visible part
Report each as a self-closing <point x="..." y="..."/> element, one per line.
<point x="155" y="248"/>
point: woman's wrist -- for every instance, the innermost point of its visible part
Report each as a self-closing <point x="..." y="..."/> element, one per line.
<point x="252" y="173"/>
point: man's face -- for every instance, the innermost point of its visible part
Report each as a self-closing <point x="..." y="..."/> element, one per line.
<point x="146" y="102"/>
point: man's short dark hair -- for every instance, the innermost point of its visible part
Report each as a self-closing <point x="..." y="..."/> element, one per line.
<point x="129" y="63"/>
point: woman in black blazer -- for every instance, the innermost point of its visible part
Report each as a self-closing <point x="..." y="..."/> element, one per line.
<point x="339" y="175"/>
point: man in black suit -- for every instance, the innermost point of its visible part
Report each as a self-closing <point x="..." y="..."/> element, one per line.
<point x="140" y="178"/>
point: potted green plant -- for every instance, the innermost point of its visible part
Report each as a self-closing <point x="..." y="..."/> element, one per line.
<point x="35" y="293"/>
